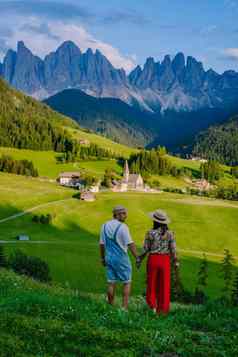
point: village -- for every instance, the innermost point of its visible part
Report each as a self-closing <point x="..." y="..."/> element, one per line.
<point x="128" y="182"/>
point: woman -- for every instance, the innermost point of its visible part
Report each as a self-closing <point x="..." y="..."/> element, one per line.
<point x="160" y="245"/>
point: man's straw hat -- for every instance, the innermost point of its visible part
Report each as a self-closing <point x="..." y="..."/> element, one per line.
<point x="119" y="209"/>
<point x="159" y="216"/>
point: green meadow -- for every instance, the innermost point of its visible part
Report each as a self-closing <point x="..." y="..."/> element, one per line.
<point x="102" y="141"/>
<point x="48" y="166"/>
<point x="70" y="243"/>
<point x="43" y="320"/>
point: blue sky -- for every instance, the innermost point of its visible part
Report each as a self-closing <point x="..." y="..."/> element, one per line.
<point x="127" y="31"/>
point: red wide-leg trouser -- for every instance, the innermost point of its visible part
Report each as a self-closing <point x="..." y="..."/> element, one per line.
<point x="158" y="282"/>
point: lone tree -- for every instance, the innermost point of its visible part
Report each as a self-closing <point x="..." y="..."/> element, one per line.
<point x="3" y="258"/>
<point x="203" y="273"/>
<point x="200" y="296"/>
<point x="177" y="289"/>
<point x="227" y="270"/>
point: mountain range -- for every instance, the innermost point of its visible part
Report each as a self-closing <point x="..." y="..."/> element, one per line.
<point x="178" y="84"/>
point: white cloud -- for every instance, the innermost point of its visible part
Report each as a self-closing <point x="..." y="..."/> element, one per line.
<point x="231" y="53"/>
<point x="41" y="43"/>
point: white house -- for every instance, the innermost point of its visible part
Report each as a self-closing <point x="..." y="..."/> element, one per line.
<point x="71" y="179"/>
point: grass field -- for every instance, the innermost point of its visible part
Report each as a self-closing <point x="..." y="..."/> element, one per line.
<point x="41" y="320"/>
<point x="47" y="165"/>
<point x="200" y="224"/>
<point x="20" y="193"/>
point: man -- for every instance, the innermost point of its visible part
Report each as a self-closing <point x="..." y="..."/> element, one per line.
<point x="115" y="240"/>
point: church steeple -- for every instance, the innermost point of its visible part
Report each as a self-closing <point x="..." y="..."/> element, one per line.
<point x="126" y="171"/>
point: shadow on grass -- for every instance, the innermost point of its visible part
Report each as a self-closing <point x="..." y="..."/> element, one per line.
<point x="73" y="256"/>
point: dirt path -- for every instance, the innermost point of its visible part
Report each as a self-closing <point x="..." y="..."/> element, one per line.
<point x="29" y="210"/>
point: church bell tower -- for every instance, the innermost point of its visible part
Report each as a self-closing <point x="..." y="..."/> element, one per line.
<point x="126" y="171"/>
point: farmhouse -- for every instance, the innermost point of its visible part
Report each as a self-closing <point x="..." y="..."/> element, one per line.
<point x="71" y="179"/>
<point x="202" y="185"/>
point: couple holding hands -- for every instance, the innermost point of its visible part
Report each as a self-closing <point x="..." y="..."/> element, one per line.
<point x="159" y="245"/>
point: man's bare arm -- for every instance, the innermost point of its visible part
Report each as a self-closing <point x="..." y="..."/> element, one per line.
<point x="133" y="250"/>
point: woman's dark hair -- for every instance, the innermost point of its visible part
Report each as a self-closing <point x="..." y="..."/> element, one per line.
<point x="157" y="225"/>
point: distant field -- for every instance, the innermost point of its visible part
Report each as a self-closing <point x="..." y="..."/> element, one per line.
<point x="169" y="181"/>
<point x="191" y="164"/>
<point x="19" y="193"/>
<point x="102" y="141"/>
<point x="71" y="242"/>
<point x="46" y="163"/>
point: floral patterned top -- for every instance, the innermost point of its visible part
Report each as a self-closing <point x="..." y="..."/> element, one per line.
<point x="157" y="242"/>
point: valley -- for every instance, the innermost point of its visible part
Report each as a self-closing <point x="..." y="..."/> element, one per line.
<point x="118" y="178"/>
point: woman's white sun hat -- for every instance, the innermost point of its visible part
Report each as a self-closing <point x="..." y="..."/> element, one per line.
<point x="160" y="217"/>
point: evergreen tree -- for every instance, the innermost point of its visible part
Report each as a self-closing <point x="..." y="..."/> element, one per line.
<point x="211" y="171"/>
<point x="200" y="296"/>
<point x="203" y="273"/>
<point x="108" y="178"/>
<point x="227" y="270"/>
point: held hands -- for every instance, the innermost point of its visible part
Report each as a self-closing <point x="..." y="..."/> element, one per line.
<point x="138" y="262"/>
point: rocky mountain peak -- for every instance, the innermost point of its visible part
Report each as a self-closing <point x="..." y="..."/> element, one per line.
<point x="135" y="75"/>
<point x="166" y="61"/>
<point x="178" y="84"/>
<point x="178" y="62"/>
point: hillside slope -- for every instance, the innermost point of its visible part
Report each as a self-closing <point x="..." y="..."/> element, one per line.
<point x="27" y="123"/>
<point x="110" y="117"/>
<point x="100" y="140"/>
<point x="129" y="126"/>
<point x="219" y="142"/>
<point x="64" y="322"/>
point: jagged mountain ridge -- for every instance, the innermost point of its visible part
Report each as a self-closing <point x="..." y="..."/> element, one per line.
<point x="174" y="84"/>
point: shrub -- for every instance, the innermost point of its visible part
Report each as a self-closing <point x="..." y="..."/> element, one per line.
<point x="43" y="219"/>
<point x="30" y="266"/>
<point x="3" y="258"/>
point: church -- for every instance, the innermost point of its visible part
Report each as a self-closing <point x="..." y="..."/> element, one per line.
<point x="130" y="181"/>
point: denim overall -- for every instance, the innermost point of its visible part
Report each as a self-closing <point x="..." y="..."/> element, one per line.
<point x="117" y="260"/>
